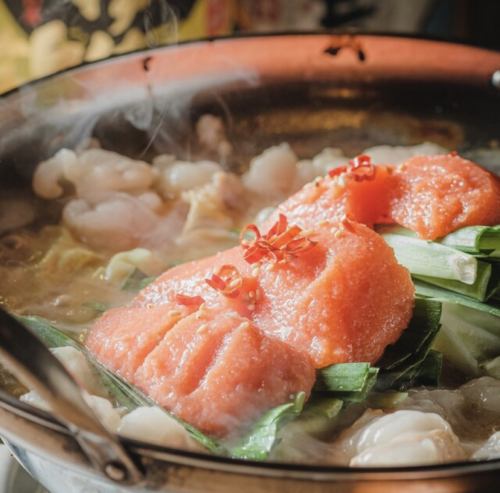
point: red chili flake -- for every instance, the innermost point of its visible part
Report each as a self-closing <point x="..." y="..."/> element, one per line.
<point x="361" y="160"/>
<point x="337" y="171"/>
<point x="280" y="243"/>
<point x="299" y="245"/>
<point x="360" y="168"/>
<point x="227" y="280"/>
<point x="279" y="227"/>
<point x="252" y="229"/>
<point x="184" y="299"/>
<point x="453" y="153"/>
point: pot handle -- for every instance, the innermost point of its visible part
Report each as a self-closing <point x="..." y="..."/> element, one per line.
<point x="36" y="367"/>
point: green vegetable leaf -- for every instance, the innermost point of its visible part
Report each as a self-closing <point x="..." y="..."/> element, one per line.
<point x="345" y="377"/>
<point x="48" y="333"/>
<point x="475" y="239"/>
<point x="209" y="443"/>
<point x="259" y="442"/>
<point x="416" y="337"/>
<point x="429" y="372"/>
<point x="350" y="382"/>
<point x="122" y="392"/>
<point x="402" y="362"/>
<point x="319" y="415"/>
<point x="469" y="339"/>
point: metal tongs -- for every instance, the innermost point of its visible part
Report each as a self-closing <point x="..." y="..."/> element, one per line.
<point x="36" y="367"/>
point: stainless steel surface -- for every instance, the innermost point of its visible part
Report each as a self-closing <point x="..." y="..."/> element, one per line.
<point x="34" y="365"/>
<point x="267" y="90"/>
<point x="13" y="478"/>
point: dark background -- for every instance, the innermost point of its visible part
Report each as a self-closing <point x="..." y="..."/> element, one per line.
<point x="475" y="21"/>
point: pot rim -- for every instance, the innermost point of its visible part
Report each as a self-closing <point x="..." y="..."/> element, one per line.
<point x="270" y="469"/>
<point x="454" y="42"/>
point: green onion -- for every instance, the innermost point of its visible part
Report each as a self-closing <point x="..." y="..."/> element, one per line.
<point x="427" y="291"/>
<point x="479" y="290"/>
<point x="427" y="258"/>
<point x="345" y="377"/>
<point x="475" y="239"/>
<point x="350" y="382"/>
<point x="259" y="442"/>
<point x="360" y="396"/>
<point x="436" y="263"/>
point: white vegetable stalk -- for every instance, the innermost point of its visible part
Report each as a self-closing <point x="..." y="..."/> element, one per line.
<point x="427" y="258"/>
<point x="470" y="340"/>
<point x="123" y="264"/>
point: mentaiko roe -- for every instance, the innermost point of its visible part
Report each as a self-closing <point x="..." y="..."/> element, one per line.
<point x="218" y="357"/>
<point x="435" y="195"/>
<point x="365" y="201"/>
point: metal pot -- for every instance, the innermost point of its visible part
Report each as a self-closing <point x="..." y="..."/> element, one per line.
<point x="311" y="90"/>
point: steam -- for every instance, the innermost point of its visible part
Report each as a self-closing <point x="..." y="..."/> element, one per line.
<point x="64" y="112"/>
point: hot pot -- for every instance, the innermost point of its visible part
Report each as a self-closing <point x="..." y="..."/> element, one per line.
<point x="313" y="90"/>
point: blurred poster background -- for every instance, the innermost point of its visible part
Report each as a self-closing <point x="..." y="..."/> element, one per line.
<point x="40" y="37"/>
